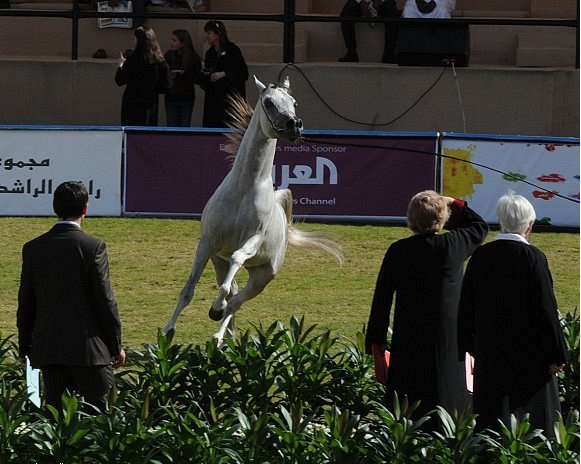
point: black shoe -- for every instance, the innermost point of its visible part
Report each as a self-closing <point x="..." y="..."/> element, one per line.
<point x="349" y="58"/>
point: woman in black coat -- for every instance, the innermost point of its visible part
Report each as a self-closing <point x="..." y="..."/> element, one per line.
<point x="145" y="74"/>
<point x="185" y="65"/>
<point x="424" y="273"/>
<point x="225" y="73"/>
<point x="508" y="319"/>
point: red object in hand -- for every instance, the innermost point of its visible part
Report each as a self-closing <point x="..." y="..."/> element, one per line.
<point x="380" y="362"/>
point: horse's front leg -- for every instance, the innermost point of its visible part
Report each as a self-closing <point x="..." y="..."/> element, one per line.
<point x="221" y="267"/>
<point x="187" y="293"/>
<point x="237" y="260"/>
<point x="258" y="279"/>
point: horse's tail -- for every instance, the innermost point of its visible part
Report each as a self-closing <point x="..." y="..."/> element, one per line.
<point x="301" y="238"/>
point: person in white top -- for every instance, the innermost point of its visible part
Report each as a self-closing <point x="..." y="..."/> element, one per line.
<point x="428" y="8"/>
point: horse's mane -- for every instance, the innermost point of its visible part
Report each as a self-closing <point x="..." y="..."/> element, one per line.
<point x="240" y="114"/>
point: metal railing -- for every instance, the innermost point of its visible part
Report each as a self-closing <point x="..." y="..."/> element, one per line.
<point x="288" y="18"/>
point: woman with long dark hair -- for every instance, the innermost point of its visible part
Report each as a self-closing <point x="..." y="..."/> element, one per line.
<point x="146" y="74"/>
<point x="225" y="73"/>
<point x="185" y="65"/>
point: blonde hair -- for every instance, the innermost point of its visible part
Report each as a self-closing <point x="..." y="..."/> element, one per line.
<point x="427" y="212"/>
<point x="515" y="213"/>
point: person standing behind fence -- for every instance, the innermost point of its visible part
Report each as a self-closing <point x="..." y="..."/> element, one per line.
<point x="185" y="65"/>
<point x="508" y="319"/>
<point x="424" y="274"/>
<point x="225" y="74"/>
<point x="146" y="74"/>
<point x="67" y="318"/>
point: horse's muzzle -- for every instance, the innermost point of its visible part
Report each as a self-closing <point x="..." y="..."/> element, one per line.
<point x="290" y="127"/>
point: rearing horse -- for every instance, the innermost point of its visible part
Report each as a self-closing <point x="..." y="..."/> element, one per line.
<point x="246" y="222"/>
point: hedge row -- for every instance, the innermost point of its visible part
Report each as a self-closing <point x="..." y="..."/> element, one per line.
<point x="283" y="394"/>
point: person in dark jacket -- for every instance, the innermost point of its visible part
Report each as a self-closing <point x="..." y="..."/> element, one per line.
<point x="508" y="318"/>
<point x="67" y="318"/>
<point x="146" y="74"/>
<point x="225" y="74"/>
<point x="424" y="273"/>
<point x="185" y="66"/>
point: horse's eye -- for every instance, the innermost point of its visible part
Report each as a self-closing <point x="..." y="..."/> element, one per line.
<point x="268" y="103"/>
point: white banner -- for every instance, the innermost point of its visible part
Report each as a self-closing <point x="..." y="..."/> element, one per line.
<point x="553" y="168"/>
<point x="33" y="162"/>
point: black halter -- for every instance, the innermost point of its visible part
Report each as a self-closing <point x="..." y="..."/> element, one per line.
<point x="276" y="123"/>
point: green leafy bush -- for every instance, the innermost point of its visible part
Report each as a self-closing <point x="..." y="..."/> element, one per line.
<point x="569" y="378"/>
<point x="281" y="394"/>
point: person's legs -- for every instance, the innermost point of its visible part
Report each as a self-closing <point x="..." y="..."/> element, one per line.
<point x="351" y="8"/>
<point x="172" y="113"/>
<point x="94" y="384"/>
<point x="389" y="9"/>
<point x="186" y="110"/>
<point x="55" y="380"/>
<point x="151" y="114"/>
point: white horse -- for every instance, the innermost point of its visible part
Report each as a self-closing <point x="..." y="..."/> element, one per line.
<point x="246" y="222"/>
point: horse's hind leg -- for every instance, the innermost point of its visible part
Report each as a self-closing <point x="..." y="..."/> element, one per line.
<point x="187" y="293"/>
<point x="258" y="279"/>
<point x="221" y="267"/>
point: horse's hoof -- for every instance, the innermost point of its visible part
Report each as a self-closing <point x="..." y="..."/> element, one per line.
<point x="215" y="314"/>
<point x="219" y="340"/>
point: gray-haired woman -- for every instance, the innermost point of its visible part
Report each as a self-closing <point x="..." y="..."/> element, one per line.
<point x="508" y="319"/>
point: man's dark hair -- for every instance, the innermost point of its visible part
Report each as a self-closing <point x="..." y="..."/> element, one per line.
<point x="70" y="199"/>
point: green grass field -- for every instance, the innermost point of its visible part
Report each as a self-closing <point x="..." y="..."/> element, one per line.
<point x="150" y="260"/>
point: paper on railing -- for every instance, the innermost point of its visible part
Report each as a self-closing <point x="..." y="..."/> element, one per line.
<point x="123" y="7"/>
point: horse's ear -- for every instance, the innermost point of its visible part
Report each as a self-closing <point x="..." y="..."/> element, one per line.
<point x="259" y="85"/>
<point x="286" y="83"/>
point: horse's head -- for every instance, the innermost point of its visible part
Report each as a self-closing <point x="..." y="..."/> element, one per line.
<point x="278" y="118"/>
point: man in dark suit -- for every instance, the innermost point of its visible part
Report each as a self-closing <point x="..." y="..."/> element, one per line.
<point x="67" y="318"/>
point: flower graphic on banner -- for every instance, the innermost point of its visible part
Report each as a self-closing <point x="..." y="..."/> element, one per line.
<point x="458" y="175"/>
<point x="514" y="176"/>
<point x="543" y="195"/>
<point x="554" y="177"/>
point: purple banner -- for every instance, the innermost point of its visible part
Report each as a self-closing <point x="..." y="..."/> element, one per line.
<point x="335" y="176"/>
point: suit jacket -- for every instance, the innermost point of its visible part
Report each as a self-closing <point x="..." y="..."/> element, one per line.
<point x="67" y="313"/>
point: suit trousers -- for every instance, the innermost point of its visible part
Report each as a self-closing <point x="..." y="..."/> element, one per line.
<point x="388" y="9"/>
<point x="93" y="383"/>
<point x="351" y="8"/>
